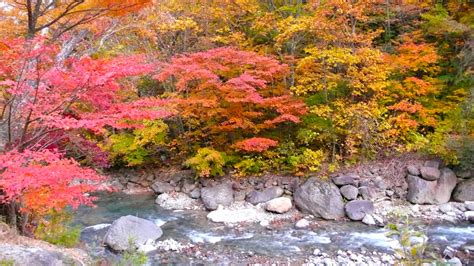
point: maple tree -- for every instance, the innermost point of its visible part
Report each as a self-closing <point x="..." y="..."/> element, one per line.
<point x="227" y="92"/>
<point x="81" y="94"/>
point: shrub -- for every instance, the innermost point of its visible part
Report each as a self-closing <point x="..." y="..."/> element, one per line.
<point x="311" y="160"/>
<point x="56" y="230"/>
<point x="207" y="163"/>
<point x="251" y="166"/>
<point x="256" y="144"/>
<point x="133" y="148"/>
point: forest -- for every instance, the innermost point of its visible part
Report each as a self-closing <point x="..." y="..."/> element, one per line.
<point x="237" y="89"/>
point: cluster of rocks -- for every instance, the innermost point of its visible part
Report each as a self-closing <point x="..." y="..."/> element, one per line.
<point x="428" y="184"/>
<point x="433" y="184"/>
<point x="351" y="258"/>
<point x="346" y="195"/>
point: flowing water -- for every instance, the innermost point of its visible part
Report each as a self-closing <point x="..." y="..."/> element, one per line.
<point x="221" y="243"/>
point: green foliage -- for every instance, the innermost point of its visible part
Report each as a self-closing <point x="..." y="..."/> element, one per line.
<point x="56" y="229"/>
<point x="251" y="166"/>
<point x="286" y="158"/>
<point x="135" y="148"/>
<point x="207" y="163"/>
<point x="413" y="243"/>
<point x="133" y="257"/>
<point x="7" y="262"/>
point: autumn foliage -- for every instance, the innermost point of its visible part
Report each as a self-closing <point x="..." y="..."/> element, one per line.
<point x="241" y="87"/>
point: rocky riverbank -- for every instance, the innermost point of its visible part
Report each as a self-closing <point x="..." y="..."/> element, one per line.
<point x="372" y="193"/>
<point x="377" y="194"/>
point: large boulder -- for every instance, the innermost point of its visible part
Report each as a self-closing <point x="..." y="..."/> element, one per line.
<point x="430" y="173"/>
<point x="256" y="197"/>
<point x="421" y="191"/>
<point x="357" y="209"/>
<point x="130" y="232"/>
<point x="279" y="205"/>
<point x="464" y="191"/>
<point x="177" y="201"/>
<point x="222" y="194"/>
<point x="23" y="255"/>
<point x="320" y="198"/>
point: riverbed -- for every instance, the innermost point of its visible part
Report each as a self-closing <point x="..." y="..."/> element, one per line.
<point x="206" y="242"/>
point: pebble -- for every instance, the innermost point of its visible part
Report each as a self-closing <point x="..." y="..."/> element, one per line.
<point x="368" y="219"/>
<point x="449" y="252"/>
<point x="317" y="252"/>
<point x="469" y="205"/>
<point x="303" y="223"/>
<point x="455" y="262"/>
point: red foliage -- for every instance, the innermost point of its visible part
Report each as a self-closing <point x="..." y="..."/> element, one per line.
<point x="229" y="90"/>
<point x="77" y="93"/>
<point x="46" y="99"/>
<point x="256" y="144"/>
<point x="44" y="180"/>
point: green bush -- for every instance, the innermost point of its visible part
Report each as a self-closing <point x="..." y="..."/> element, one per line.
<point x="207" y="163"/>
<point x="56" y="230"/>
<point x="251" y="166"/>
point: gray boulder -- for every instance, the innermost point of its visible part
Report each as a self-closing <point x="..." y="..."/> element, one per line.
<point x="162" y="187"/>
<point x="413" y="170"/>
<point x="357" y="209"/>
<point x="195" y="194"/>
<point x="130" y="232"/>
<point x="433" y="163"/>
<point x="279" y="205"/>
<point x="421" y="191"/>
<point x="350" y="179"/>
<point x="222" y="194"/>
<point x="349" y="192"/>
<point x="320" y="198"/>
<point x="370" y="192"/>
<point x="36" y="256"/>
<point x="177" y="201"/>
<point x="256" y="197"/>
<point x="464" y="191"/>
<point x="430" y="173"/>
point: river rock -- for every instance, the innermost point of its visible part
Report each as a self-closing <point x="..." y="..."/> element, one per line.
<point x="233" y="216"/>
<point x="162" y="187"/>
<point x="413" y="170"/>
<point x="469" y="216"/>
<point x="320" y="198"/>
<point x="430" y="173"/>
<point x="301" y="224"/>
<point x="188" y="185"/>
<point x="421" y="191"/>
<point x="130" y="232"/>
<point x="357" y="209"/>
<point x="368" y="192"/>
<point x="279" y="205"/>
<point x="22" y="255"/>
<point x="256" y="197"/>
<point x="469" y="205"/>
<point x="432" y="163"/>
<point x="368" y="220"/>
<point x="222" y="194"/>
<point x="195" y="193"/>
<point x="177" y="201"/>
<point x="464" y="191"/>
<point x="349" y="179"/>
<point x="349" y="192"/>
